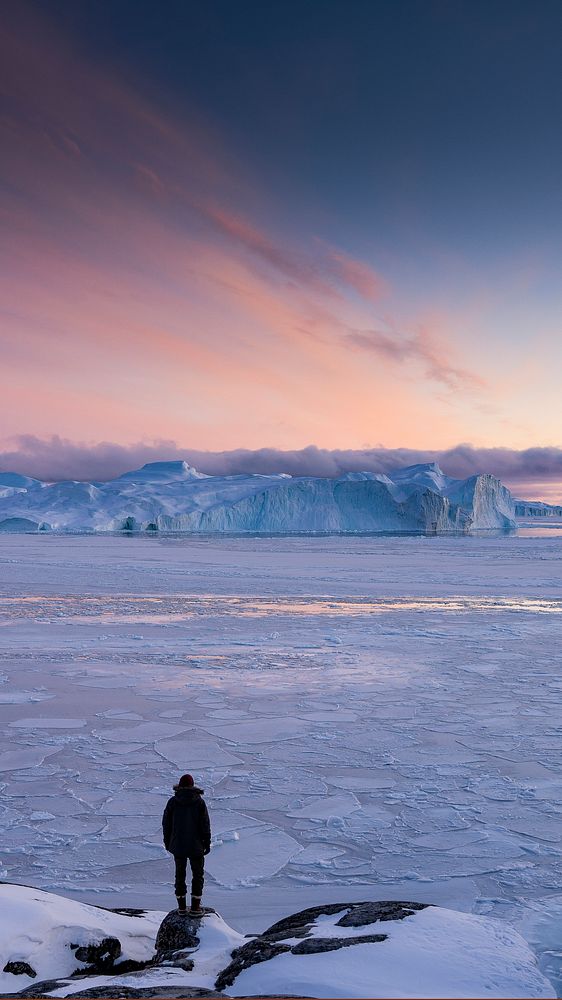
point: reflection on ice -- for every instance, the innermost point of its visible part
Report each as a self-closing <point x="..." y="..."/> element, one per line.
<point x="170" y="609"/>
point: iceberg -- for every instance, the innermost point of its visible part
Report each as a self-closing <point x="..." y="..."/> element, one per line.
<point x="174" y="497"/>
<point x="537" y="508"/>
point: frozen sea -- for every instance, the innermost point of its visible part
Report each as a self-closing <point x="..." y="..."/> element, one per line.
<point x="370" y="718"/>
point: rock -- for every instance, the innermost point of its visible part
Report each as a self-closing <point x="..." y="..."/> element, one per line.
<point x="176" y="933"/>
<point x="361" y="914"/>
<point x="256" y="951"/>
<point x="127" y="911"/>
<point x="19" y="969"/>
<point x="313" y="946"/>
<point x="121" y="968"/>
<point x="358" y="915"/>
<point x="39" y="989"/>
<point x="273" y="941"/>
<point x="98" y="955"/>
<point x="176" y="959"/>
<point x="114" y="992"/>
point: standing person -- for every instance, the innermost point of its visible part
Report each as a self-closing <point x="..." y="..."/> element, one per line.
<point x="187" y="835"/>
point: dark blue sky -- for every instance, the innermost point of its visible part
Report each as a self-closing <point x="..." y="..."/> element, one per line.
<point x="446" y="111"/>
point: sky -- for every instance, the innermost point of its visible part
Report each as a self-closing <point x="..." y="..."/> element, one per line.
<point x="230" y="226"/>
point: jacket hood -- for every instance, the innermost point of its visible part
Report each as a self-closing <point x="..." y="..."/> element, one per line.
<point x="186" y="792"/>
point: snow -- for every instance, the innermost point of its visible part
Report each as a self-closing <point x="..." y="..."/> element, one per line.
<point x="37" y="927"/>
<point x="216" y="942"/>
<point x="433" y="953"/>
<point x="173" y="497"/>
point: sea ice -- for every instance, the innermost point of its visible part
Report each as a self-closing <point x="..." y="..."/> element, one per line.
<point x="325" y="807"/>
<point x="198" y="754"/>
<point x="23" y="697"/>
<point x="258" y="731"/>
<point x="403" y="716"/>
<point x="133" y="804"/>
<point x="16" y="760"/>
<point x="147" y="732"/>
<point x="47" y="723"/>
<point x="254" y="856"/>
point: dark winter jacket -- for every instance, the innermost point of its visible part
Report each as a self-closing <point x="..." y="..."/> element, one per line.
<point x="185" y="823"/>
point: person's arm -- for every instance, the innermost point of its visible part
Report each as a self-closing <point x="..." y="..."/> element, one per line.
<point x="167" y="823"/>
<point x="205" y="828"/>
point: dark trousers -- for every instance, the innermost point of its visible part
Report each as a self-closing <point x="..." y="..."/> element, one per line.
<point x="197" y="862"/>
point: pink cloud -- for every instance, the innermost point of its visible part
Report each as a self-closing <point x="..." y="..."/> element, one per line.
<point x="420" y="346"/>
<point x="141" y="296"/>
<point x="359" y="276"/>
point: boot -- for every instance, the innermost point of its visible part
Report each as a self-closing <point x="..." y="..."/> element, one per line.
<point x="181" y="904"/>
<point x="196" y="910"/>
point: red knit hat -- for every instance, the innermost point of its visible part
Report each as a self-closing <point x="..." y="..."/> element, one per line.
<point x="186" y="781"/>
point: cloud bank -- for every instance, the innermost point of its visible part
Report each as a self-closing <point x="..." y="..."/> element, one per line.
<point x="532" y="472"/>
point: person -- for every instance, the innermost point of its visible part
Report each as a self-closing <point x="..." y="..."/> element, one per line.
<point x="187" y="835"/>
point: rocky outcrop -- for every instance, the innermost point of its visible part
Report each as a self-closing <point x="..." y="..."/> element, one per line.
<point x="177" y="932"/>
<point x="47" y="988"/>
<point x="384" y="948"/>
<point x="278" y="939"/>
<point x="98" y="955"/>
<point x="356" y="915"/>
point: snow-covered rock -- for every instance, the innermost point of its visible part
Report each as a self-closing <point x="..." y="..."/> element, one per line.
<point x="50" y="946"/>
<point x="385" y="949"/>
<point x="52" y="935"/>
<point x="173" y="497"/>
<point x="371" y="949"/>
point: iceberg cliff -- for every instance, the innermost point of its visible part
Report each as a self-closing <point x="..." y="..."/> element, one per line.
<point x="173" y="497"/>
